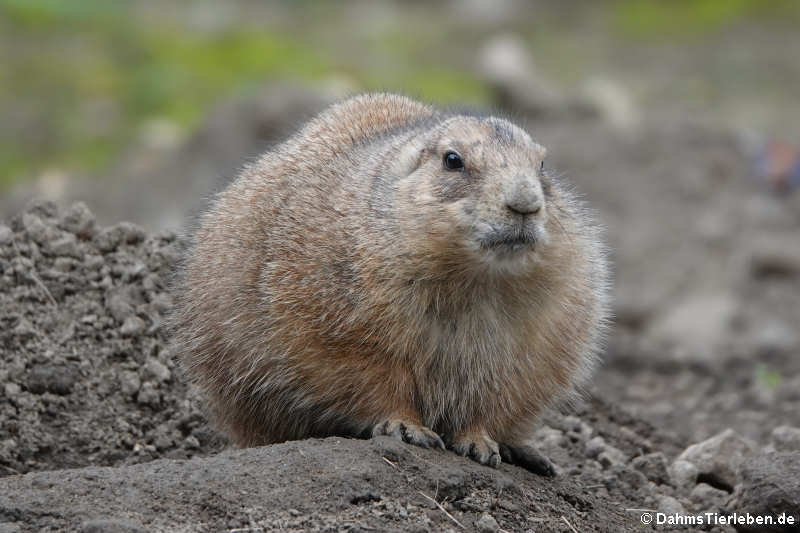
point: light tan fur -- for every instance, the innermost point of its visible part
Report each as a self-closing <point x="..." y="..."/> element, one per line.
<point x="342" y="285"/>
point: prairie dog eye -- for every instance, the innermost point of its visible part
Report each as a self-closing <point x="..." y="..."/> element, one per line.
<point x="452" y="161"/>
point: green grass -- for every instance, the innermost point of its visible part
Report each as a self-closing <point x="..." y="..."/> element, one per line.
<point x="85" y="76"/>
<point x="767" y="377"/>
<point x="663" y="18"/>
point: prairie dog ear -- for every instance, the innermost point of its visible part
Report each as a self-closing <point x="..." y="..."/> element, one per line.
<point x="409" y="157"/>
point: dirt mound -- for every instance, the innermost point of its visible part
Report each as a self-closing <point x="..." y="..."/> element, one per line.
<point x="88" y="381"/>
<point x="315" y="485"/>
<point x="85" y="372"/>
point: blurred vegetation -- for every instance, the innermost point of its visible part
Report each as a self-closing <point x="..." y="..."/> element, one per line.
<point x="85" y="76"/>
<point x="81" y="79"/>
<point x="767" y="377"/>
<point x="659" y="18"/>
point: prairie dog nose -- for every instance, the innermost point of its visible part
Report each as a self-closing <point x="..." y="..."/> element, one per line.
<point x="524" y="196"/>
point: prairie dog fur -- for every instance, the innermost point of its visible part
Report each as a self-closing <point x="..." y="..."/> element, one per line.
<point x="393" y="269"/>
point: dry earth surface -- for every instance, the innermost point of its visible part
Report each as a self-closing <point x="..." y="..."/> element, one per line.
<point x="697" y="407"/>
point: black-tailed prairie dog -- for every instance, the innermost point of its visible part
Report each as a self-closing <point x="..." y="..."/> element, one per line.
<point x="394" y="270"/>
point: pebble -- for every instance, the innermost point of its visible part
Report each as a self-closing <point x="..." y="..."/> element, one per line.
<point x="6" y="235"/>
<point x="606" y="454"/>
<point x="49" y="378"/>
<point x="706" y="497"/>
<point x="653" y="466"/>
<point x="119" y="306"/>
<point x="719" y="457"/>
<point x="11" y="390"/>
<point x="785" y="439"/>
<point x="78" y="220"/>
<point x="63" y="264"/>
<point x="132" y="326"/>
<point x="131" y="233"/>
<point x="683" y="474"/>
<point x="158" y="369"/>
<point x="577" y="428"/>
<point x="669" y="505"/>
<point x="129" y="382"/>
<point x="35" y="228"/>
<point x="487" y="524"/>
<point x="108" y="239"/>
<point x="66" y="245"/>
<point x="148" y="394"/>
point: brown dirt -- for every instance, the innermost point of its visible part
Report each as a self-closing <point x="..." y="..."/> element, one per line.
<point x="708" y="287"/>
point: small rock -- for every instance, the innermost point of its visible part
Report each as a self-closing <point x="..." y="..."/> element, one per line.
<point x="547" y="437"/>
<point x="6" y="235"/>
<point x="157" y="369"/>
<point x="595" y="446"/>
<point x="161" y="302"/>
<point x="119" y="306"/>
<point x="718" y="458"/>
<point x="669" y="505"/>
<point x="785" y="439"/>
<point x="65" y="245"/>
<point x="35" y="228"/>
<point x="770" y="487"/>
<point x="78" y="220"/>
<point x="131" y="233"/>
<point x="148" y="394"/>
<point x="611" y="456"/>
<point x="191" y="443"/>
<point x="11" y="390"/>
<point x="163" y="442"/>
<point x="107" y="240"/>
<point x="63" y="264"/>
<point x="132" y="326"/>
<point x="487" y="524"/>
<point x="706" y="497"/>
<point x="93" y="261"/>
<point x="577" y="428"/>
<point x="683" y="474"/>
<point x="605" y="454"/>
<point x="54" y="379"/>
<point x="653" y="466"/>
<point x="129" y="382"/>
<point x="10" y="527"/>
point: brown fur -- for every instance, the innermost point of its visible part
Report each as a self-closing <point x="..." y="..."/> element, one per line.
<point x="340" y="285"/>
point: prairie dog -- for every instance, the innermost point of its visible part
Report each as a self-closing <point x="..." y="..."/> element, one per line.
<point x="394" y="270"/>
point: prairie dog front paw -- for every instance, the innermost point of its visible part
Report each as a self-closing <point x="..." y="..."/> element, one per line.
<point x="478" y="446"/>
<point x="408" y="431"/>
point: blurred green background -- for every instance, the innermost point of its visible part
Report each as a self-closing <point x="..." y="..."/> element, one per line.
<point x="81" y="79"/>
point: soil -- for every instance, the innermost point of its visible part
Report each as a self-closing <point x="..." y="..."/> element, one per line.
<point x="88" y="381"/>
<point x="707" y="293"/>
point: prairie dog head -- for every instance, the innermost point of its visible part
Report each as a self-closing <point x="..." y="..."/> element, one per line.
<point x="477" y="185"/>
